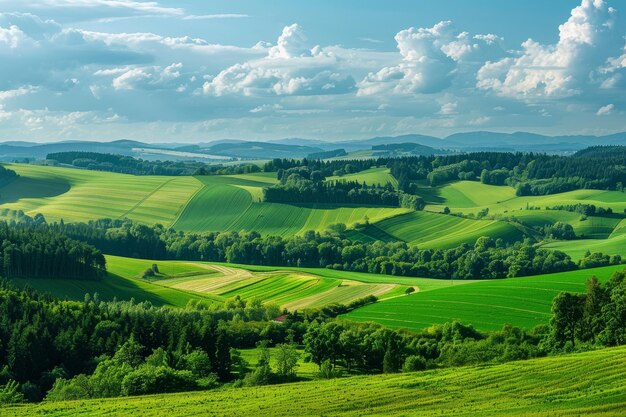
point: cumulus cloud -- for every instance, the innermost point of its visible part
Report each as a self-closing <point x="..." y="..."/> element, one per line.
<point x="605" y="110"/>
<point x="148" y="77"/>
<point x="431" y="58"/>
<point x="291" y="67"/>
<point x="577" y="61"/>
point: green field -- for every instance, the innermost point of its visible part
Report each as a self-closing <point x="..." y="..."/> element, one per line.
<point x="80" y="195"/>
<point x="286" y="288"/>
<point x="435" y="230"/>
<point x="470" y="197"/>
<point x="487" y="305"/>
<point x="590" y="383"/>
<point x="372" y="176"/>
<point x="233" y="203"/>
<point x="204" y="203"/>
<point x="120" y="285"/>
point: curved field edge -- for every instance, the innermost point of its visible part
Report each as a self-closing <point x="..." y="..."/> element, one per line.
<point x="578" y="384"/>
<point x="286" y="288"/>
<point x="487" y="305"/>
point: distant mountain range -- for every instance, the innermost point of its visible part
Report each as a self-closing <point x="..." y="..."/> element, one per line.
<point x="227" y="149"/>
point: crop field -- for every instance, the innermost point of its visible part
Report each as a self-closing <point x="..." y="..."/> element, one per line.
<point x="435" y="230"/>
<point x="370" y="176"/>
<point x="232" y="203"/>
<point x="80" y="195"/>
<point x="470" y="197"/>
<point x="589" y="383"/>
<point x="286" y="288"/>
<point x="523" y="302"/>
<point x="116" y="285"/>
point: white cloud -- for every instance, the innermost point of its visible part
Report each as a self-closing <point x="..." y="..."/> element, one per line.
<point x="291" y="43"/>
<point x="431" y="59"/>
<point x="448" y="108"/>
<point x="291" y="67"/>
<point x="605" y="110"/>
<point x="151" y="7"/>
<point x="586" y="41"/>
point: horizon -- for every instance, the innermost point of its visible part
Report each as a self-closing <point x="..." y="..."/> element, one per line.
<point x="166" y="141"/>
<point x="187" y="72"/>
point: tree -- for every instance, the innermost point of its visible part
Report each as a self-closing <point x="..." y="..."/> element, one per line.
<point x="10" y="393"/>
<point x="567" y="314"/>
<point x="286" y="360"/>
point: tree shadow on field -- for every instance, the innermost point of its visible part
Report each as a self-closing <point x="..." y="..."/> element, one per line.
<point x="25" y="187"/>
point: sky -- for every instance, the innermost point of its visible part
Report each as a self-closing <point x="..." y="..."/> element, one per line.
<point x="194" y="71"/>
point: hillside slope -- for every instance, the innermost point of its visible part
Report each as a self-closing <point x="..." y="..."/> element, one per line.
<point x="579" y="384"/>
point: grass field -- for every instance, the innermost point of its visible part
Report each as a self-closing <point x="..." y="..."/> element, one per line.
<point x="523" y="302"/>
<point x="440" y="231"/>
<point x="120" y="285"/>
<point x="372" y="176"/>
<point x="284" y="287"/>
<point x="470" y="197"/>
<point x="80" y="195"/>
<point x="590" y="383"/>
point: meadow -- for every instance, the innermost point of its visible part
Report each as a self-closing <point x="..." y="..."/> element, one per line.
<point x="589" y="383"/>
<point x="487" y="305"/>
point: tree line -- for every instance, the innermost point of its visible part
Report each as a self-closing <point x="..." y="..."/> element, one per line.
<point x="487" y="258"/>
<point x="135" y="166"/>
<point x="47" y="253"/>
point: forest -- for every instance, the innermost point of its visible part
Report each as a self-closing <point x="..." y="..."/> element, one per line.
<point x="46" y="253"/>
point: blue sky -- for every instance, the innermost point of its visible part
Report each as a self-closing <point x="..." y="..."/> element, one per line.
<point x="190" y="71"/>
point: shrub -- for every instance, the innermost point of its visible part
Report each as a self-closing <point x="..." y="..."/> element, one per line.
<point x="414" y="363"/>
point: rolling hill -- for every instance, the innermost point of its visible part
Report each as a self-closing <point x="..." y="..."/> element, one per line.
<point x="589" y="383"/>
<point x="488" y="305"/>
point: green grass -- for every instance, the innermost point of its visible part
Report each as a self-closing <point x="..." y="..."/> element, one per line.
<point x="370" y="176"/>
<point x="305" y="370"/>
<point x="285" y="287"/>
<point x="81" y="195"/>
<point x="523" y="302"/>
<point x="593" y="227"/>
<point x="123" y="282"/>
<point x="589" y="383"/>
<point x="470" y="197"/>
<point x="442" y="231"/>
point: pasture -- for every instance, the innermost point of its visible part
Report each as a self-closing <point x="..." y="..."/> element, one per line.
<point x="487" y="305"/>
<point x="589" y="383"/>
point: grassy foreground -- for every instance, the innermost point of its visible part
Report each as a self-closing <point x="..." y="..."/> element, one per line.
<point x="582" y="384"/>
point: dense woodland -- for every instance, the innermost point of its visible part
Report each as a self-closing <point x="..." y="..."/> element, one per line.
<point x="46" y="253"/>
<point x="95" y="349"/>
<point x="487" y="258"/>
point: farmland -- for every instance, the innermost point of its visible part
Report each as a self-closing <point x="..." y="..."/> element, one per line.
<point x="523" y="302"/>
<point x="81" y="195"/>
<point x="284" y="287"/>
<point x="589" y="383"/>
<point x="234" y="203"/>
<point x="440" y="231"/>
